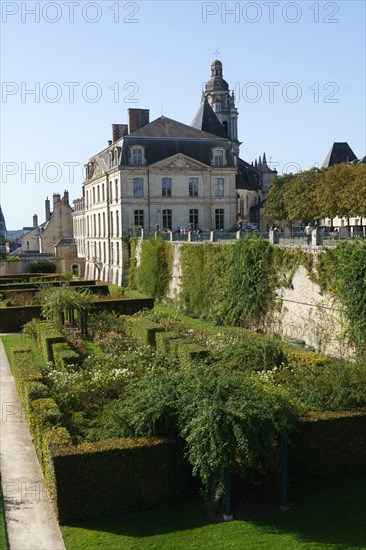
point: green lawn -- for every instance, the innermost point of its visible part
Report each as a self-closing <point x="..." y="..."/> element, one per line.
<point x="329" y="515"/>
<point x="3" y="544"/>
<point x="14" y="340"/>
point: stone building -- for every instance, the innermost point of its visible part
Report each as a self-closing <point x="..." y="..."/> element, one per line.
<point x="51" y="240"/>
<point x="167" y="174"/>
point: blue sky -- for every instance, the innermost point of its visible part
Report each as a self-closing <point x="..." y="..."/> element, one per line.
<point x="298" y="70"/>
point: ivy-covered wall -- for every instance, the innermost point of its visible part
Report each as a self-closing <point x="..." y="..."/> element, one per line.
<point x="315" y="297"/>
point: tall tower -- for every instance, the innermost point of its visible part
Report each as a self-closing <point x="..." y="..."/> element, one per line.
<point x="222" y="101"/>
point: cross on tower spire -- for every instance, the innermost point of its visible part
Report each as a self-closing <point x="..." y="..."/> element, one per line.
<point x="216" y="53"/>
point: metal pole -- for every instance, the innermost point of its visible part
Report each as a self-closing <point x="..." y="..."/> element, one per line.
<point x="284" y="475"/>
<point x="227" y="514"/>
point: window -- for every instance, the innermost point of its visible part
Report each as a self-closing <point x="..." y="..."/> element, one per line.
<point x="219" y="218"/>
<point x="117" y="253"/>
<point x="193" y="218"/>
<point x="137" y="156"/>
<point x="138" y="187"/>
<point x="117" y="223"/>
<point x="112" y="229"/>
<point x="219" y="187"/>
<point x="139" y="218"/>
<point x="166" y="187"/>
<point x="103" y="224"/>
<point x="193" y="187"/>
<point x="116" y="189"/>
<point x="94" y="226"/>
<point x="167" y="219"/>
<point x="104" y="253"/>
<point x="99" y="226"/>
<point x="98" y="194"/>
<point x="218" y="157"/>
<point x="93" y="195"/>
<point x="110" y="190"/>
<point x="103" y="192"/>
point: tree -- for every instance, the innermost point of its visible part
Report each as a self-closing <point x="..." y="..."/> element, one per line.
<point x="332" y="193"/>
<point x="355" y="192"/>
<point x="55" y="301"/>
<point x="228" y="419"/>
<point x="300" y="196"/>
<point x="274" y="208"/>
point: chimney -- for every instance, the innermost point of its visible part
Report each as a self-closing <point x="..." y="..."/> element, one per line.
<point x="109" y="142"/>
<point x="35" y="220"/>
<point x="47" y="208"/>
<point x="66" y="196"/>
<point x="118" y="131"/>
<point x="137" y="118"/>
<point x="56" y="198"/>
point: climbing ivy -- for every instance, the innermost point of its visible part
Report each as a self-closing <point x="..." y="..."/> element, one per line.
<point x="153" y="274"/>
<point x="342" y="273"/>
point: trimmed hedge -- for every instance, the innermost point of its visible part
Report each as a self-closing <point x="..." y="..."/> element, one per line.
<point x="42" y="284"/>
<point x="118" y="476"/>
<point x="124" y="307"/>
<point x="328" y="443"/>
<point x="64" y="356"/>
<point x="13" y="318"/>
<point x="47" y="336"/>
<point x="165" y="343"/>
<point x="142" y="330"/>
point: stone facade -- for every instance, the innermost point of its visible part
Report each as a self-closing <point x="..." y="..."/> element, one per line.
<point x="166" y="174"/>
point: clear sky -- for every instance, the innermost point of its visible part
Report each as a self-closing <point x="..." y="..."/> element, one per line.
<point x="297" y="68"/>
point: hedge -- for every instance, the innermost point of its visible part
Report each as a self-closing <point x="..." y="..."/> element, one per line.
<point x="64" y="356"/>
<point x="13" y="318"/>
<point x="32" y="290"/>
<point x="47" y="336"/>
<point x="328" y="443"/>
<point x="118" y="476"/>
<point x="41" y="411"/>
<point x="124" y="307"/>
<point x="142" y="330"/>
<point x="18" y="285"/>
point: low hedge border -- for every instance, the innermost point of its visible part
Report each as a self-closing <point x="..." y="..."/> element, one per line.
<point x="118" y="476"/>
<point x="47" y="336"/>
<point x="142" y="330"/>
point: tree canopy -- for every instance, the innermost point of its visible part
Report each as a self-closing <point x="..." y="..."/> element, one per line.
<point x="327" y="193"/>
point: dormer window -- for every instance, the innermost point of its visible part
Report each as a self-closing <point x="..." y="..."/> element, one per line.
<point x="218" y="158"/>
<point x="136" y="156"/>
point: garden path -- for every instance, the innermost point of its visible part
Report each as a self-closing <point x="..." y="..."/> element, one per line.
<point x="30" y="519"/>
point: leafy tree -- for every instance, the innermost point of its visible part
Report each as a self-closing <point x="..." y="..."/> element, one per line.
<point x="355" y="193"/>
<point x="300" y="196"/>
<point x="55" y="301"/>
<point x="332" y="193"/>
<point x="226" y="418"/>
<point x="275" y="208"/>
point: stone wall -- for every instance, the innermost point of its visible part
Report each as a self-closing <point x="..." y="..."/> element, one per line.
<point x="304" y="314"/>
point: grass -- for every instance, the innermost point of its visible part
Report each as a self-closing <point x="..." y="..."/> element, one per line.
<point x="3" y="542"/>
<point x="327" y="515"/>
<point x="14" y="340"/>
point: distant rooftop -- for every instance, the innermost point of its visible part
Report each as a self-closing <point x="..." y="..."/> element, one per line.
<point x="340" y="152"/>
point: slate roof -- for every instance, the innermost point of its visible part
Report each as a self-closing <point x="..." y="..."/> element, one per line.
<point x="164" y="127"/>
<point x="248" y="177"/>
<point x="165" y="137"/>
<point x="340" y="152"/>
<point x="207" y="121"/>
